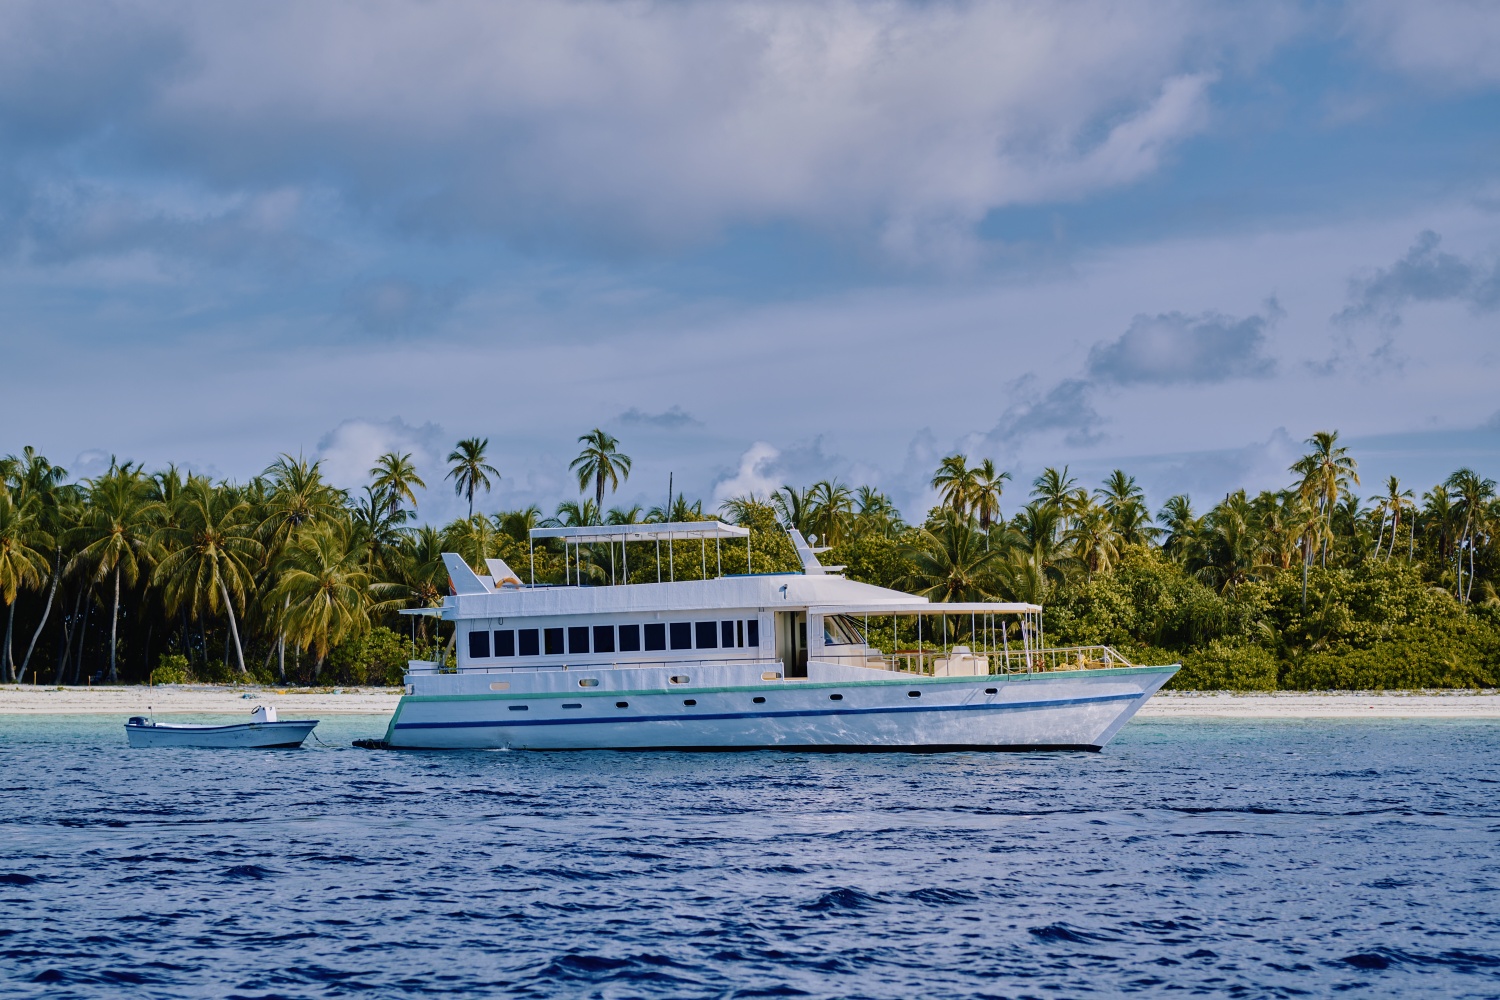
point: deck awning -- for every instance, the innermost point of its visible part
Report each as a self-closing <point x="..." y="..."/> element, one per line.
<point x="926" y="608"/>
<point x="599" y="534"/>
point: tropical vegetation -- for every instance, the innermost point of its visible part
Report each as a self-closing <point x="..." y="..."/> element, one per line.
<point x="139" y="576"/>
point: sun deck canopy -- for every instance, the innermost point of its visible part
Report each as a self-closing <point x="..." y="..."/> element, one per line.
<point x="592" y="534"/>
<point x="921" y="607"/>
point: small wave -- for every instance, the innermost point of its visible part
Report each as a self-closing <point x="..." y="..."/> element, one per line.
<point x="253" y="872"/>
<point x="842" y="899"/>
<point x="1064" y="932"/>
<point x="943" y="896"/>
<point x="16" y="878"/>
<point x="1377" y="959"/>
<point x="574" y="966"/>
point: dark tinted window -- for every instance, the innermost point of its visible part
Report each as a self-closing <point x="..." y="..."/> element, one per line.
<point x="604" y="638"/>
<point x="752" y="632"/>
<point x="552" y="640"/>
<point x="708" y="634"/>
<point x="479" y="645"/>
<point x="529" y="644"/>
<point x="682" y="635"/>
<point x="726" y="634"/>
<point x="656" y="636"/>
<point x="505" y="643"/>
<point x="578" y="639"/>
<point x="630" y="638"/>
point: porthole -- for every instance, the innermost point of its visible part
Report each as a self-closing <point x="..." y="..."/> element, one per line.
<point x="991" y="690"/>
<point x="588" y="682"/>
<point x="622" y="704"/>
<point x="759" y="701"/>
<point x="573" y="704"/>
<point x="499" y="685"/>
<point x="835" y="697"/>
<point x="518" y="708"/>
<point x="689" y="702"/>
<point x="771" y="675"/>
<point x="914" y="694"/>
<point x="679" y="679"/>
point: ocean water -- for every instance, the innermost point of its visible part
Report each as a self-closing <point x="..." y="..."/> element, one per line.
<point x="1226" y="858"/>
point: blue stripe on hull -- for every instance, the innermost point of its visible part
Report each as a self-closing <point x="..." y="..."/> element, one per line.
<point x="715" y="716"/>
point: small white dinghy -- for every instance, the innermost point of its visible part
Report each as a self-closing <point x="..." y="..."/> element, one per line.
<point x="263" y="730"/>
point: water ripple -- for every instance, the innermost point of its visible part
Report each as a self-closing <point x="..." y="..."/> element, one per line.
<point x="1224" y="858"/>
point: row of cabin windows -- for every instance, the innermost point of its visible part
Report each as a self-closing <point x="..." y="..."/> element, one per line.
<point x="652" y="636"/>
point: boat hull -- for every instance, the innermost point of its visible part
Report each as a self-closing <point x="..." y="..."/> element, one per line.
<point x="1078" y="710"/>
<point x="250" y="735"/>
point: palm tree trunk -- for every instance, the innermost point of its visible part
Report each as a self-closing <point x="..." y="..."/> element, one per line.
<point x="83" y="628"/>
<point x="234" y="629"/>
<point x="114" y="628"/>
<point x="5" y="654"/>
<point x="47" y="611"/>
<point x="1306" y="558"/>
<point x="69" y="630"/>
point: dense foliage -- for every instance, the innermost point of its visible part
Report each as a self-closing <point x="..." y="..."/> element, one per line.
<point x="168" y="577"/>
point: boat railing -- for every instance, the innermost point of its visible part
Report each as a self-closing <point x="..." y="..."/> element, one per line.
<point x="961" y="661"/>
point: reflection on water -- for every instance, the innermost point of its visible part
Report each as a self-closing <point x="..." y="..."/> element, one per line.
<point x="1258" y="859"/>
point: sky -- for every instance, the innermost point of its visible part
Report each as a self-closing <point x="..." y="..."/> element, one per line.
<point x="761" y="243"/>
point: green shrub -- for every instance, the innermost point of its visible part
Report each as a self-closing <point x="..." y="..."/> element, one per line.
<point x="378" y="657"/>
<point x="1223" y="666"/>
<point x="1455" y="657"/>
<point x="172" y="668"/>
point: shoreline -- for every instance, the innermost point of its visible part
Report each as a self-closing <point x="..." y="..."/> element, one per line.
<point x="23" y="699"/>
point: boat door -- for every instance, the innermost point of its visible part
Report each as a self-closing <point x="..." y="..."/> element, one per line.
<point x="791" y="642"/>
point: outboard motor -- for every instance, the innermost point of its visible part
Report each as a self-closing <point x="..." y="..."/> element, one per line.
<point x="136" y="720"/>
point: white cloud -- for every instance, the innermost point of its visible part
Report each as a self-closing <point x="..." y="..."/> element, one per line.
<point x="756" y="474"/>
<point x="1452" y="43"/>
<point x="647" y="124"/>
<point x="350" y="449"/>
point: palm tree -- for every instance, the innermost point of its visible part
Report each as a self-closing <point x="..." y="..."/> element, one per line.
<point x="875" y="513"/>
<point x="956" y="482"/>
<point x="22" y="563"/>
<point x="1327" y="471"/>
<point x="394" y="477"/>
<point x="625" y="515"/>
<point x="1056" y="489"/>
<point x="1176" y="515"/>
<point x="475" y="539"/>
<point x="1093" y="538"/>
<point x="600" y="462"/>
<point x="324" y="591"/>
<point x="470" y="471"/>
<point x="115" y="534"/>
<point x="949" y="562"/>
<point x="38" y="484"/>
<point x="1393" y="504"/>
<point x="1473" y="494"/>
<point x="213" y="554"/>
<point x="830" y="507"/>
<point x="792" y="508"/>
<point x="984" y="497"/>
<point x="743" y="509"/>
<point x="1228" y="546"/>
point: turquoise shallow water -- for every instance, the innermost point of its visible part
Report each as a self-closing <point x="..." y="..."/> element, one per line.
<point x="1218" y="858"/>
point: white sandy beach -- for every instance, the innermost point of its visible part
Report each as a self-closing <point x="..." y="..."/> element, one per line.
<point x="24" y="699"/>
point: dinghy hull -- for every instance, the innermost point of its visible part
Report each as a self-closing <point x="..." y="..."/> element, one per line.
<point x="250" y="735"/>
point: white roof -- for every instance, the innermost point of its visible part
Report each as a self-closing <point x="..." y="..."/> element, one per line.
<point x="826" y="595"/>
<point x="669" y="531"/>
<point x="917" y="605"/>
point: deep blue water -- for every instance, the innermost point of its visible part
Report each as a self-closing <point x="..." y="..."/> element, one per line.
<point x="1227" y="858"/>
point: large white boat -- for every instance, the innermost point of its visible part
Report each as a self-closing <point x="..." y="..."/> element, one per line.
<point x="792" y="661"/>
